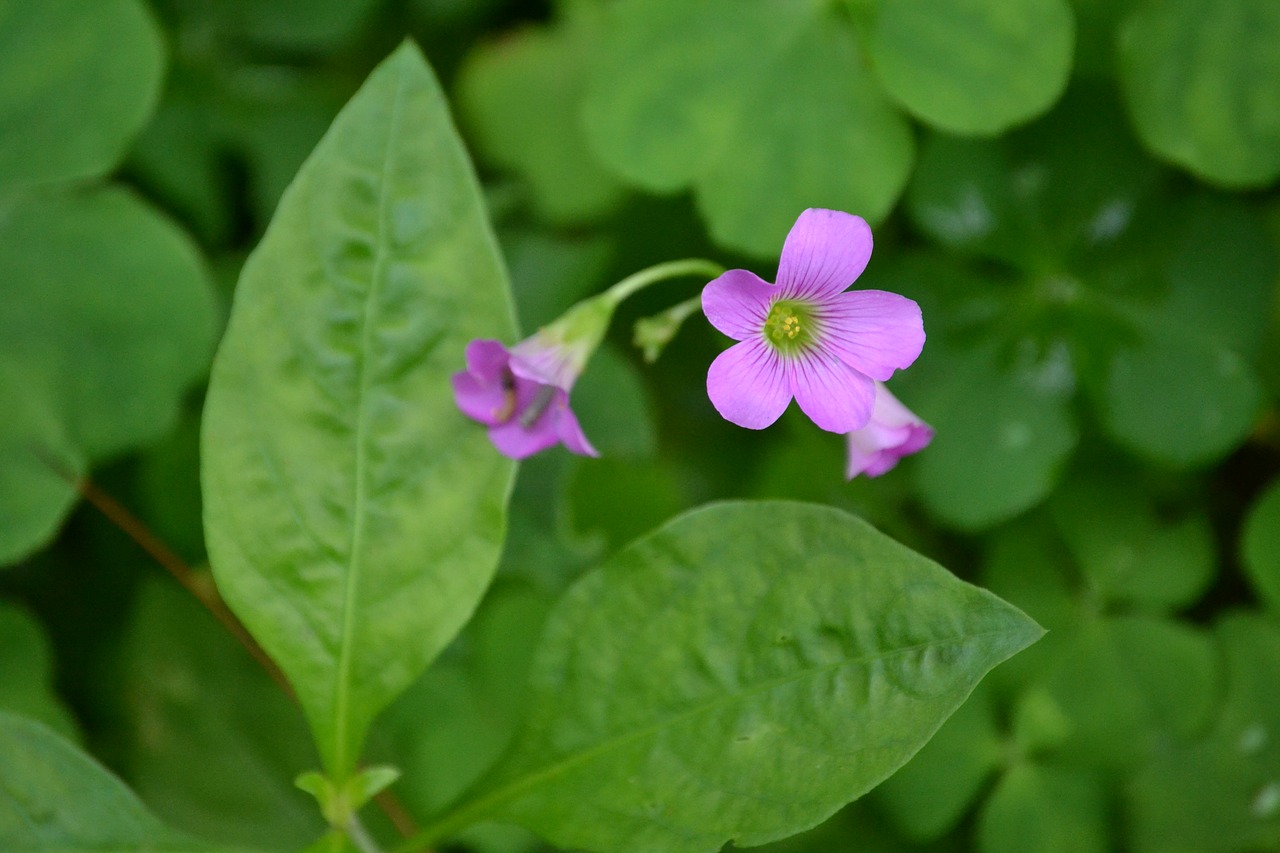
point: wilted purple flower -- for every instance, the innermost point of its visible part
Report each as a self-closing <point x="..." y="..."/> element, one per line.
<point x="806" y="337"/>
<point x="893" y="432"/>
<point x="522" y="395"/>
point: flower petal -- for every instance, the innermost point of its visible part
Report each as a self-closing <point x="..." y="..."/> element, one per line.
<point x="737" y="303"/>
<point x="570" y="432"/>
<point x="748" y="385"/>
<point x="834" y="395"/>
<point x="486" y="359"/>
<point x="518" y="442"/>
<point x="824" y="253"/>
<point x="873" y="332"/>
<point x="485" y="402"/>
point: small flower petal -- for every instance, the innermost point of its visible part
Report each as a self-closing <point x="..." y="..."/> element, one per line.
<point x="824" y="253"/>
<point x="894" y="432"/>
<point x="737" y="303"/>
<point x="570" y="432"/>
<point x="748" y="385"/>
<point x="834" y="395"/>
<point x="486" y="359"/>
<point x="485" y="402"/>
<point x="516" y="441"/>
<point x="873" y="332"/>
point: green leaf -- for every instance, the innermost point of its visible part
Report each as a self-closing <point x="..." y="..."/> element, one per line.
<point x="972" y="66"/>
<point x="212" y="743"/>
<point x="1221" y="794"/>
<point x="1039" y="809"/>
<point x="739" y="674"/>
<point x="1200" y="79"/>
<point x="762" y="107"/>
<point x="1002" y="434"/>
<point x="1181" y="401"/>
<point x="354" y="517"/>
<point x="1129" y="553"/>
<point x="520" y="97"/>
<point x="55" y="798"/>
<point x="928" y="796"/>
<point x="1260" y="546"/>
<point x="26" y="661"/>
<point x="108" y="317"/>
<point x="1185" y="393"/>
<point x="1127" y="684"/>
<point x="77" y="81"/>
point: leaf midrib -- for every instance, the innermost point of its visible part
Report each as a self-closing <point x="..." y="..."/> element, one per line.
<point x="342" y="693"/>
<point x="479" y="808"/>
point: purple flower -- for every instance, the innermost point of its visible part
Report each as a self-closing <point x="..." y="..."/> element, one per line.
<point x="806" y="337"/>
<point x="522" y="395"/>
<point x="894" y="432"/>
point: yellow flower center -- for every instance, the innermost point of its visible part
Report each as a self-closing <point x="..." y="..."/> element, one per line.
<point x="789" y="326"/>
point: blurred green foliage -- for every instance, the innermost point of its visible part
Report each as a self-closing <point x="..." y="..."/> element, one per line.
<point x="1082" y="196"/>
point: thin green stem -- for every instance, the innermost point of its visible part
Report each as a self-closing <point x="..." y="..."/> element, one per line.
<point x="360" y="836"/>
<point x="660" y="272"/>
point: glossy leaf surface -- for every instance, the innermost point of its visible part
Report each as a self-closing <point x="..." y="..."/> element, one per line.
<point x="739" y="674"/>
<point x="354" y="517"/>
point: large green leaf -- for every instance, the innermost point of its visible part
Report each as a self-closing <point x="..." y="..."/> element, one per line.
<point x="972" y="66"/>
<point x="739" y="674"/>
<point x="1201" y="80"/>
<point x="77" y="81"/>
<point x="55" y="798"/>
<point x="107" y="318"/>
<point x="354" y="517"/>
<point x="766" y="108"/>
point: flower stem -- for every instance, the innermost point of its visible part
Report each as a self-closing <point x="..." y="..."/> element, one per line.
<point x="660" y="272"/>
<point x="360" y="836"/>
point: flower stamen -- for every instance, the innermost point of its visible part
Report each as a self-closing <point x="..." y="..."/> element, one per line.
<point x="546" y="394"/>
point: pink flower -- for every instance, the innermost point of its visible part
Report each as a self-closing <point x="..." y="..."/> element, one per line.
<point x="893" y="432"/>
<point x="806" y="337"/>
<point x="522" y="395"/>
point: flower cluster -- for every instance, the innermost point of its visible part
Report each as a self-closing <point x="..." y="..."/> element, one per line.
<point x="805" y="338"/>
<point x="524" y="405"/>
<point x="808" y="338"/>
